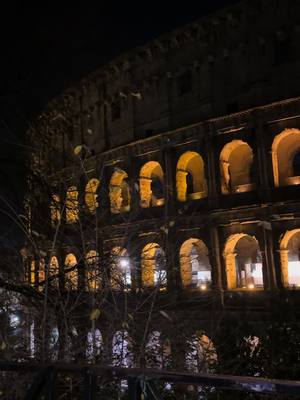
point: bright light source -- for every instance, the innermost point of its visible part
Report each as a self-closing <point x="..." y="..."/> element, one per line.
<point x="203" y="287"/>
<point x="251" y="286"/>
<point x="124" y="262"/>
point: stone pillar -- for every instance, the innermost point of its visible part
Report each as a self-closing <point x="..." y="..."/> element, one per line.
<point x="230" y="270"/>
<point x="268" y="256"/>
<point x="284" y="263"/>
<point x="211" y="168"/>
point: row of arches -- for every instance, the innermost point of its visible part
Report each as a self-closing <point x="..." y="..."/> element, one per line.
<point x="199" y="351"/>
<point x="241" y="254"/>
<point x="236" y="174"/>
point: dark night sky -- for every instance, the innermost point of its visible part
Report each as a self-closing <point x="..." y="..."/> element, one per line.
<point x="48" y="46"/>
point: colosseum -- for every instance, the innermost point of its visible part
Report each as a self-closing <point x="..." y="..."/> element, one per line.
<point x="164" y="189"/>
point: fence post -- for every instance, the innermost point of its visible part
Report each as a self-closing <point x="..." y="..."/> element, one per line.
<point x="89" y="385"/>
<point x="134" y="388"/>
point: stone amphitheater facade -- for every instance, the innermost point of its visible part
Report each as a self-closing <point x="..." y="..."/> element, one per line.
<point x="179" y="164"/>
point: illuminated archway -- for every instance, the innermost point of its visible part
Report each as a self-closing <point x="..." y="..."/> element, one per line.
<point x="120" y="269"/>
<point x="290" y="258"/>
<point x="119" y="192"/>
<point x="91" y="195"/>
<point x="236" y="160"/>
<point x="72" y="212"/>
<point x="243" y="262"/>
<point x="153" y="266"/>
<point x="54" y="270"/>
<point x="122" y="349"/>
<point x="71" y="277"/>
<point x="55" y="209"/>
<point x="157" y="351"/>
<point x="94" y="344"/>
<point x="286" y="158"/>
<point x="92" y="273"/>
<point x="190" y="177"/>
<point x="151" y="185"/>
<point x="195" y="267"/>
<point x="201" y="355"/>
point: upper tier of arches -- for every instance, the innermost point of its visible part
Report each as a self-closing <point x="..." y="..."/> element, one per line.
<point x="238" y="173"/>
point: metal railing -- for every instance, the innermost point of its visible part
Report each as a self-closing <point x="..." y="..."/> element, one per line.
<point x="139" y="383"/>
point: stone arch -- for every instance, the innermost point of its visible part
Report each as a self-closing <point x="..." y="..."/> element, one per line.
<point x="122" y="354"/>
<point x="91" y="195"/>
<point x="290" y="258"/>
<point x="55" y="209"/>
<point x="157" y="351"/>
<point x="119" y="193"/>
<point x="94" y="346"/>
<point x="54" y="270"/>
<point x="285" y="151"/>
<point x="195" y="267"/>
<point x="72" y="212"/>
<point x="243" y="262"/>
<point x="71" y="277"/>
<point x="236" y="160"/>
<point x="153" y="266"/>
<point x="190" y="177"/>
<point x="92" y="273"/>
<point x="120" y="269"/>
<point x="151" y="185"/>
<point x="201" y="355"/>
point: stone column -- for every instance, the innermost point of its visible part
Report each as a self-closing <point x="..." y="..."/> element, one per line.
<point x="230" y="270"/>
<point x="284" y="263"/>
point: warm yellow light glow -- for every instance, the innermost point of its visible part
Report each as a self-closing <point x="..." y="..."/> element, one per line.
<point x="119" y="192"/>
<point x="71" y="278"/>
<point x="285" y="147"/>
<point x="55" y="209"/>
<point x="72" y="212"/>
<point x="91" y="195"/>
<point x="93" y="273"/>
<point x="203" y="287"/>
<point x="153" y="265"/>
<point x="190" y="163"/>
<point x="251" y="286"/>
<point x="151" y="173"/>
<point x="235" y="164"/>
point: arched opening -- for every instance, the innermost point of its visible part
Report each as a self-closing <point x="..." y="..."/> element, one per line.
<point x="71" y="277"/>
<point x="243" y="262"/>
<point x="286" y="158"/>
<point x="151" y="185"/>
<point x="55" y="209"/>
<point x="120" y="269"/>
<point x="122" y="355"/>
<point x="236" y="162"/>
<point x="91" y="195"/>
<point x="94" y="345"/>
<point x="54" y="270"/>
<point x="201" y="355"/>
<point x="119" y="193"/>
<point x="157" y="351"/>
<point x="72" y="212"/>
<point x="92" y="273"/>
<point x="190" y="177"/>
<point x="195" y="267"/>
<point x="290" y="258"/>
<point x="154" y="266"/>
